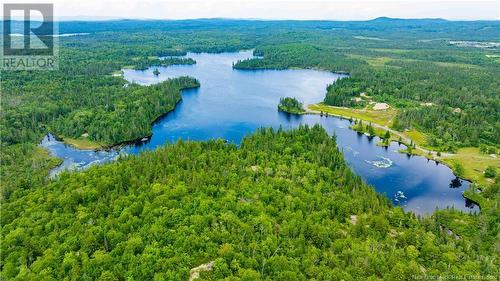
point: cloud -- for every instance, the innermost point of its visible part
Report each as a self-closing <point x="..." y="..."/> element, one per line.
<point x="277" y="9"/>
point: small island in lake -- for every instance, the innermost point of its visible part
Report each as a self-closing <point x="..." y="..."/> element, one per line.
<point x="291" y="105"/>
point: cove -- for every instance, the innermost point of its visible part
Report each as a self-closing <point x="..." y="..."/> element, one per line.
<point x="233" y="103"/>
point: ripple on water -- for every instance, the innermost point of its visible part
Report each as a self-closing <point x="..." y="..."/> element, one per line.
<point x="384" y="163"/>
<point x="400" y="197"/>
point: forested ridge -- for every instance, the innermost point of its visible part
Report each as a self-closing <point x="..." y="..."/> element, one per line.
<point x="283" y="206"/>
<point x="278" y="208"/>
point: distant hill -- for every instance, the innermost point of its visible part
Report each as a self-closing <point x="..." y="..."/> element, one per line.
<point x="382" y="26"/>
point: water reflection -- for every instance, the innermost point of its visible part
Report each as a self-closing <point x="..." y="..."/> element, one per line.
<point x="456" y="183"/>
<point x="233" y="103"/>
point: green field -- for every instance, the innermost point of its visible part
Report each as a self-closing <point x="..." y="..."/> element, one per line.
<point x="83" y="143"/>
<point x="474" y="164"/>
<point x="380" y="117"/>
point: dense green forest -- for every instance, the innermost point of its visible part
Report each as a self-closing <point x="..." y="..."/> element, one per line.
<point x="280" y="206"/>
<point x="283" y="206"/>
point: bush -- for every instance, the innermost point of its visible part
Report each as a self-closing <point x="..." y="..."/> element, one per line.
<point x="490" y="172"/>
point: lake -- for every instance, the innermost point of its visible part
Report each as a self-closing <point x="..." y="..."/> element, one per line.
<point x="233" y="103"/>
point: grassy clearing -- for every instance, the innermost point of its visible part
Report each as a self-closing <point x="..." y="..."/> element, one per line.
<point x="473" y="162"/>
<point x="469" y="158"/>
<point x="380" y="117"/>
<point x="380" y="61"/>
<point x="83" y="143"/>
<point x="419" y="152"/>
<point x="418" y="137"/>
<point x="379" y="132"/>
<point x="42" y="155"/>
<point x="373" y="61"/>
<point x="291" y="110"/>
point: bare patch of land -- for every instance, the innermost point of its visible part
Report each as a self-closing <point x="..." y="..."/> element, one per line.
<point x="381" y="106"/>
<point x="195" y="272"/>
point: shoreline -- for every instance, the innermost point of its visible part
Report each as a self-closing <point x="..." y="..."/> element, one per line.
<point x="104" y="147"/>
<point x="422" y="152"/>
<point x="473" y="171"/>
<point x="404" y="139"/>
<point x="307" y="111"/>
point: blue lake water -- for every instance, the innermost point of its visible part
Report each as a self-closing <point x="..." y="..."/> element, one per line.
<point x="233" y="103"/>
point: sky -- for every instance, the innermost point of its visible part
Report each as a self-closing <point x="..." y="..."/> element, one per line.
<point x="273" y="9"/>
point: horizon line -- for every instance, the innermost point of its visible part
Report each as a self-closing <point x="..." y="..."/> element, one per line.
<point x="110" y="18"/>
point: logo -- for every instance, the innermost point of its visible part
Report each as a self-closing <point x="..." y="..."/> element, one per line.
<point x="29" y="39"/>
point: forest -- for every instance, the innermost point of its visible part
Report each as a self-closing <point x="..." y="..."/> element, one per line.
<point x="283" y="205"/>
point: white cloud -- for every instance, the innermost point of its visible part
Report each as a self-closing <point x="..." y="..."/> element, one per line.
<point x="276" y="9"/>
